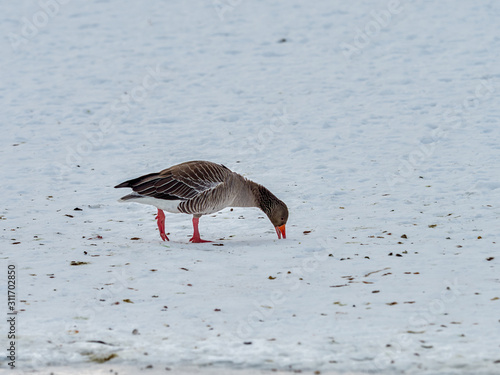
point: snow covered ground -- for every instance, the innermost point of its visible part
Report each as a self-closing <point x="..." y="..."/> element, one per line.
<point x="375" y="121"/>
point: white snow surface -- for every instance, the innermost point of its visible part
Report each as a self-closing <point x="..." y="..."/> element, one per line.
<point x="377" y="122"/>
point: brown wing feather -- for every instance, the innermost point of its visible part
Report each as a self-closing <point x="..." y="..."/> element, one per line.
<point x="183" y="181"/>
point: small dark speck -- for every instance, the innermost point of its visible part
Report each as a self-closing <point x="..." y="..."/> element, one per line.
<point x="282" y="40"/>
<point x="247" y="343"/>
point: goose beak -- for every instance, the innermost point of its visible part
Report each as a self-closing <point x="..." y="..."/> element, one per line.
<point x="281" y="231"/>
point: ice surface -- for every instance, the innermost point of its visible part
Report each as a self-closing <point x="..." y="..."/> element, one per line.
<point x="375" y="121"/>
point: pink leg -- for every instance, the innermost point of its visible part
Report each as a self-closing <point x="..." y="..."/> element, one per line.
<point x="161" y="225"/>
<point x="196" y="235"/>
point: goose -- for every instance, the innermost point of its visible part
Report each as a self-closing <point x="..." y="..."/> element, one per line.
<point x="201" y="188"/>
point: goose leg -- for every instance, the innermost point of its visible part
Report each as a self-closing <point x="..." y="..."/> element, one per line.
<point x="196" y="235"/>
<point x="161" y="224"/>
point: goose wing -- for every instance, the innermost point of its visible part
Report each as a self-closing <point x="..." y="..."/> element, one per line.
<point x="181" y="182"/>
